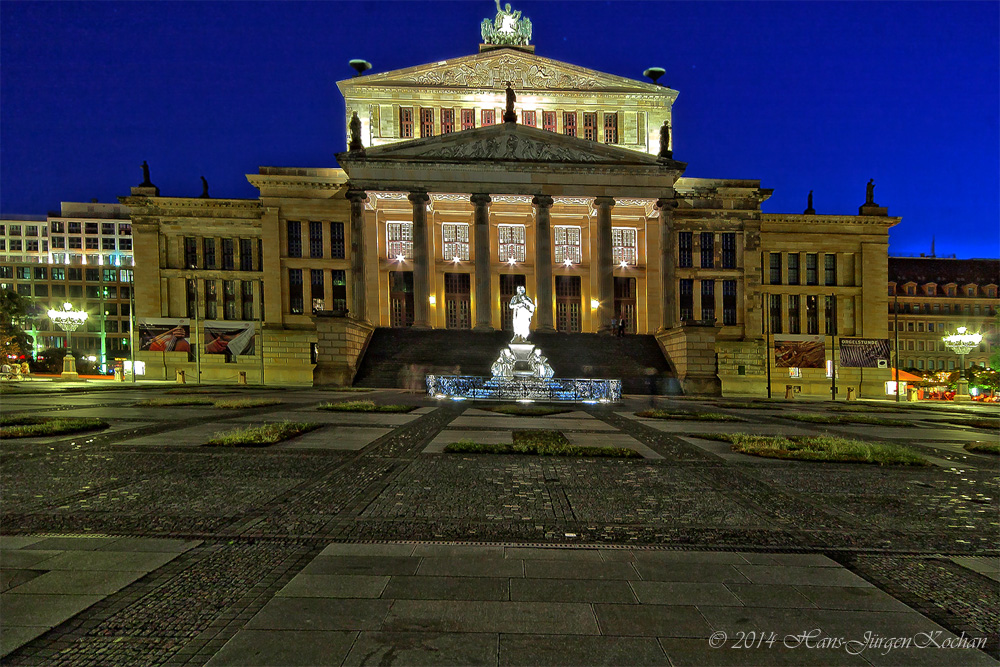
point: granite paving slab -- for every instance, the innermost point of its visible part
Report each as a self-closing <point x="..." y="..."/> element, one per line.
<point x="648" y="620"/>
<point x="284" y="648"/>
<point x="513" y="422"/>
<point x="341" y="438"/>
<point x="379" y="419"/>
<point x="298" y="613"/>
<point x="470" y="566"/>
<point x="451" y="587"/>
<point x="518" y="650"/>
<point x="610" y="440"/>
<point x="334" y="586"/>
<point x="571" y="590"/>
<point x="487" y="616"/>
<point x="986" y="566"/>
<point x="191" y="436"/>
<point x="423" y="648"/>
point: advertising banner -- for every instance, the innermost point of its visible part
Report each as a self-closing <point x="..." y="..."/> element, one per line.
<point x="799" y="352"/>
<point x="164" y="334"/>
<point x="864" y="352"/>
<point x="230" y="338"/>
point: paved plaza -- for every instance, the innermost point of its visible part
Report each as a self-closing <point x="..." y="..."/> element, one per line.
<point x="362" y="542"/>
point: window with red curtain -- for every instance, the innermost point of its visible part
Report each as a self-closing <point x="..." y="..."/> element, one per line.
<point x="569" y="123"/>
<point x="427" y="122"/>
<point x="447" y="121"/>
<point x="590" y="125"/>
<point x="468" y="119"/>
<point x="528" y="118"/>
<point x="489" y="117"/>
<point x="549" y="121"/>
<point x="406" y="122"/>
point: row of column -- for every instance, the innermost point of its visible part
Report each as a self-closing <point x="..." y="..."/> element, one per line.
<point x="543" y="263"/>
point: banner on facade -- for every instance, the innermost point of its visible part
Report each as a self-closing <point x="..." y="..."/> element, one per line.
<point x="864" y="352"/>
<point x="164" y="334"/>
<point x="799" y="352"/>
<point x="233" y="339"/>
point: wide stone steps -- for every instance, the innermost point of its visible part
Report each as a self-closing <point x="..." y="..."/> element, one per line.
<point x="401" y="357"/>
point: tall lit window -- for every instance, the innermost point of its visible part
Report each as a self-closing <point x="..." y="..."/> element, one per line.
<point x="246" y="297"/>
<point x="229" y="299"/>
<point x="830" y="269"/>
<point x="246" y="254"/>
<point x="707" y="240"/>
<point x="624" y="246"/>
<point x="812" y="314"/>
<point x="708" y="300"/>
<point x="569" y="123"/>
<point x="567" y="244"/>
<point x="549" y="121"/>
<point x="729" y="302"/>
<point x="775" y="312"/>
<point x="447" y="121"/>
<point x="228" y="253"/>
<point x="190" y="252"/>
<point x="794" y="318"/>
<point x="295" y="291"/>
<point x="337" y="240"/>
<point x="399" y="239"/>
<point x="211" y="300"/>
<point x="208" y="251"/>
<point x="316" y="289"/>
<point x="294" y="238"/>
<point x="528" y="118"/>
<point x="315" y="239"/>
<point x="590" y="125"/>
<point x="339" y="277"/>
<point x="455" y="241"/>
<point x="468" y="119"/>
<point x="685" y="292"/>
<point x="426" y="122"/>
<point x="489" y="117"/>
<point x="685" y="241"/>
<point x="812" y="268"/>
<point x="511" y="239"/>
<point x="793" y="268"/>
<point x="611" y="128"/>
<point x="775" y="277"/>
<point x="406" y="122"/>
<point x="729" y="250"/>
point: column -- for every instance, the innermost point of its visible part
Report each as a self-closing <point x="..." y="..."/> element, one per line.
<point x="605" y="269"/>
<point x="481" y="237"/>
<point x="357" y="307"/>
<point x="543" y="264"/>
<point x="668" y="264"/>
<point x="421" y="261"/>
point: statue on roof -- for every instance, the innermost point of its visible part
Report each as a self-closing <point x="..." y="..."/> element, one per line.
<point x="204" y="188"/>
<point x="145" y="176"/>
<point x="355" y="143"/>
<point x="665" y="140"/>
<point x="508" y="28"/>
<point x="870" y="193"/>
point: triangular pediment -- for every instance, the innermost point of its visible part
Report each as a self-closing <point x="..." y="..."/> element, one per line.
<point x="507" y="142"/>
<point x="494" y="69"/>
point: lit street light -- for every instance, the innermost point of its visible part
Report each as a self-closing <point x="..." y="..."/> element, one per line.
<point x="68" y="320"/>
<point x="961" y="343"/>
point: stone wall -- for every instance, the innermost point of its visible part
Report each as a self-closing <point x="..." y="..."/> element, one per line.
<point x="691" y="350"/>
<point x="341" y="341"/>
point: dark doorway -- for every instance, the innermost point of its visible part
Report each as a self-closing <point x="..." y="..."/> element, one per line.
<point x="401" y="298"/>
<point x="568" y="304"/>
<point x="625" y="302"/>
<point x="457" y="305"/>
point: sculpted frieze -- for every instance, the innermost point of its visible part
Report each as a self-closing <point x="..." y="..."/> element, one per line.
<point x="509" y="147"/>
<point x="497" y="71"/>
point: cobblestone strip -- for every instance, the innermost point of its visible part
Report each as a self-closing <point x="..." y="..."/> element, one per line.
<point x="409" y="440"/>
<point x="670" y="447"/>
<point x="178" y="614"/>
<point x="956" y="598"/>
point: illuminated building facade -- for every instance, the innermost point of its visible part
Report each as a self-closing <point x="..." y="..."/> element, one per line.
<point x="467" y="178"/>
<point x="934" y="296"/>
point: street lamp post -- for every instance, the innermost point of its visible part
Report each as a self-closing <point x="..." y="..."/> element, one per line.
<point x="961" y="343"/>
<point x="69" y="320"/>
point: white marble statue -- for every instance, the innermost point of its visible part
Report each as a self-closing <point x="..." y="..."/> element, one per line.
<point x="523" y="308"/>
<point x="504" y="365"/>
<point x="540" y="365"/>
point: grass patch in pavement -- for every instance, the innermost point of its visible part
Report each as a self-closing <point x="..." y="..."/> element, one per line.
<point x="983" y="448"/>
<point x="540" y="443"/>
<point x="263" y="435"/>
<point x="359" y="390"/>
<point x="24" y="426"/>
<point x="526" y="410"/>
<point x="364" y="406"/>
<point x="817" y="418"/>
<point x="745" y="406"/>
<point x="818" y="448"/>
<point x="659" y="413"/>
<point x="240" y="403"/>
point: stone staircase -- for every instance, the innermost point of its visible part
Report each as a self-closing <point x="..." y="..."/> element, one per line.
<point x="401" y="357"/>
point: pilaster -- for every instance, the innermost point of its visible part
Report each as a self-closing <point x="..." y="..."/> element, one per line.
<point x="421" y="261"/>
<point x="543" y="264"/>
<point x="481" y="238"/>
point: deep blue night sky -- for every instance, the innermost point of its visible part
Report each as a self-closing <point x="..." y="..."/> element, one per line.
<point x="803" y="96"/>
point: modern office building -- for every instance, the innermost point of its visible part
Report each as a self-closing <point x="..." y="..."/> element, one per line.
<point x="469" y="177"/>
<point x="81" y="255"/>
<point x="931" y="297"/>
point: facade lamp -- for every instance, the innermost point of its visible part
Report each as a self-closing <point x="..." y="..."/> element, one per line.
<point x="595" y="304"/>
<point x="623" y="264"/>
<point x="568" y="262"/>
<point x="400" y="258"/>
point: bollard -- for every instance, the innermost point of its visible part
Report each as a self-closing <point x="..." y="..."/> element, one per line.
<point x="850" y="394"/>
<point x="180" y="377"/>
<point x="119" y="377"/>
<point x="241" y="377"/>
<point x="788" y="392"/>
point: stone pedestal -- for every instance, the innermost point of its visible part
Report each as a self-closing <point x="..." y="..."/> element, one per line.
<point x="341" y="341"/>
<point x="691" y="350"/>
<point x="69" y="368"/>
<point x="873" y="209"/>
<point x="962" y="391"/>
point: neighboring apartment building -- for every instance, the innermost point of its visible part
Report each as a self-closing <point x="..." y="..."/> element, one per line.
<point x="935" y="296"/>
<point x="81" y="255"/>
<point x="440" y="210"/>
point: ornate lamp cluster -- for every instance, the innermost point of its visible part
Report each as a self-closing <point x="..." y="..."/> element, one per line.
<point x="962" y="342"/>
<point x="67" y="318"/>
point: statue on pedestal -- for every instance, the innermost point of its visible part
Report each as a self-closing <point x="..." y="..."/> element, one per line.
<point x="523" y="308"/>
<point x="665" y="131"/>
<point x="509" y="115"/>
<point x="870" y="193"/>
<point x="204" y="188"/>
<point x="146" y="183"/>
<point x="355" y="144"/>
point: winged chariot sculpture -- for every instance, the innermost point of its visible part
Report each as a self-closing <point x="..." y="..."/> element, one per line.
<point x="508" y="28"/>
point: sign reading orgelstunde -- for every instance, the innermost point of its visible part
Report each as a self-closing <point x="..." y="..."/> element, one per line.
<point x="864" y="352"/>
